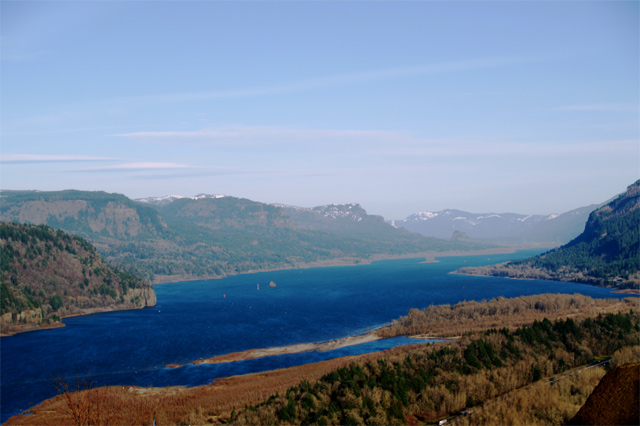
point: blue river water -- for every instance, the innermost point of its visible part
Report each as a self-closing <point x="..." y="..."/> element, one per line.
<point x="200" y="319"/>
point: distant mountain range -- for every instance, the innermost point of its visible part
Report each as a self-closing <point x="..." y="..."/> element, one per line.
<point x="175" y="238"/>
<point x="168" y="199"/>
<point x="502" y="228"/>
<point x="607" y="253"/>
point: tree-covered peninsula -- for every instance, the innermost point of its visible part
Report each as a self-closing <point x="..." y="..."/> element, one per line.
<point x="46" y="275"/>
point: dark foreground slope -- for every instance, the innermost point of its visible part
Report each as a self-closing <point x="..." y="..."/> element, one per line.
<point x="615" y="401"/>
<point x="210" y="237"/>
<point x="46" y="275"/>
<point x="606" y="253"/>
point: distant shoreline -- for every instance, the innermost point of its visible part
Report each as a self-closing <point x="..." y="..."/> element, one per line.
<point x="343" y="261"/>
<point x="430" y="257"/>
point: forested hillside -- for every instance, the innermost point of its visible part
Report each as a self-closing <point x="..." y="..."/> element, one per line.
<point x="607" y="253"/>
<point x="425" y="384"/>
<point x="209" y="237"/>
<point x="46" y="275"/>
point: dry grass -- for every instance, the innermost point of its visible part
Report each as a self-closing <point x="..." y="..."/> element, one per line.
<point x="471" y="317"/>
<point x="542" y="404"/>
<point x="177" y="405"/>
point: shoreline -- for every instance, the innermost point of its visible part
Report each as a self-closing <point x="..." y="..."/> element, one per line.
<point x="28" y="328"/>
<point x="429" y="256"/>
<point x="59" y="324"/>
<point x="630" y="291"/>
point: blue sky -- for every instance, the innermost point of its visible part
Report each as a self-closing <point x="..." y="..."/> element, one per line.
<point x="525" y="107"/>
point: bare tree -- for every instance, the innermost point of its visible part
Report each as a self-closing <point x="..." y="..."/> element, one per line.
<point x="85" y="404"/>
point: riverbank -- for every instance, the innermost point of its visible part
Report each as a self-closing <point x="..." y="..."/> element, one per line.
<point x="10" y="329"/>
<point x="429" y="256"/>
<point x="523" y="272"/>
<point x="25" y="328"/>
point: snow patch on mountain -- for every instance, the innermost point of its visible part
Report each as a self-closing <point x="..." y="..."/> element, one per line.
<point x="168" y="199"/>
<point x="335" y="211"/>
<point x="489" y="216"/>
<point x="425" y="215"/>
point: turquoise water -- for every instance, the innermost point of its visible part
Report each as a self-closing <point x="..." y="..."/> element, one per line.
<point x="200" y="319"/>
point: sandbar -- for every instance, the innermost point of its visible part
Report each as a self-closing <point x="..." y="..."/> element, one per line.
<point x="291" y="349"/>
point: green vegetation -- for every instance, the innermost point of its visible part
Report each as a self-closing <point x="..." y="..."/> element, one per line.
<point x="210" y="238"/>
<point x="47" y="274"/>
<point x="429" y="382"/>
<point x="607" y="253"/>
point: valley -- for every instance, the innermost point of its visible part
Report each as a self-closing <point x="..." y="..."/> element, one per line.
<point x="186" y="238"/>
<point x="273" y="239"/>
<point x="319" y="212"/>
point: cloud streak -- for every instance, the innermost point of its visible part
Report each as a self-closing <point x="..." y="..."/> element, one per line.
<point x="258" y="135"/>
<point x="48" y="158"/>
<point x="375" y="142"/>
<point x="144" y="165"/>
<point x="601" y="108"/>
<point x="340" y="80"/>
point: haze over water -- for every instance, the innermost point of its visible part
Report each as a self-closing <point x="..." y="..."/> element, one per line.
<point x="200" y="319"/>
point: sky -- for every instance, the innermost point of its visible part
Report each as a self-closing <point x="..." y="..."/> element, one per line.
<point x="401" y="106"/>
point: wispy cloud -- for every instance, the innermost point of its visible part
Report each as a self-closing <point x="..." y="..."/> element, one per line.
<point x="339" y="79"/>
<point x="48" y="158"/>
<point x="258" y="135"/>
<point x="376" y="143"/>
<point x="601" y="107"/>
<point x="459" y="149"/>
<point x="122" y="164"/>
<point x="140" y="166"/>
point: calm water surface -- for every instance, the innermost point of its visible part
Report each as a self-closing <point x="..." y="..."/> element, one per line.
<point x="200" y="319"/>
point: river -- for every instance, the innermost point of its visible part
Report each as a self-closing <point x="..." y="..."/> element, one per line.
<point x="200" y="319"/>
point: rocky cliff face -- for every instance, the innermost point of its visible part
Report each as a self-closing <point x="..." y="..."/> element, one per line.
<point x="94" y="215"/>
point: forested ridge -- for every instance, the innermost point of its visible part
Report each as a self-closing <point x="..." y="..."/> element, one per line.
<point x="210" y="238"/>
<point x="430" y="382"/>
<point x="46" y="275"/>
<point x="607" y="253"/>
